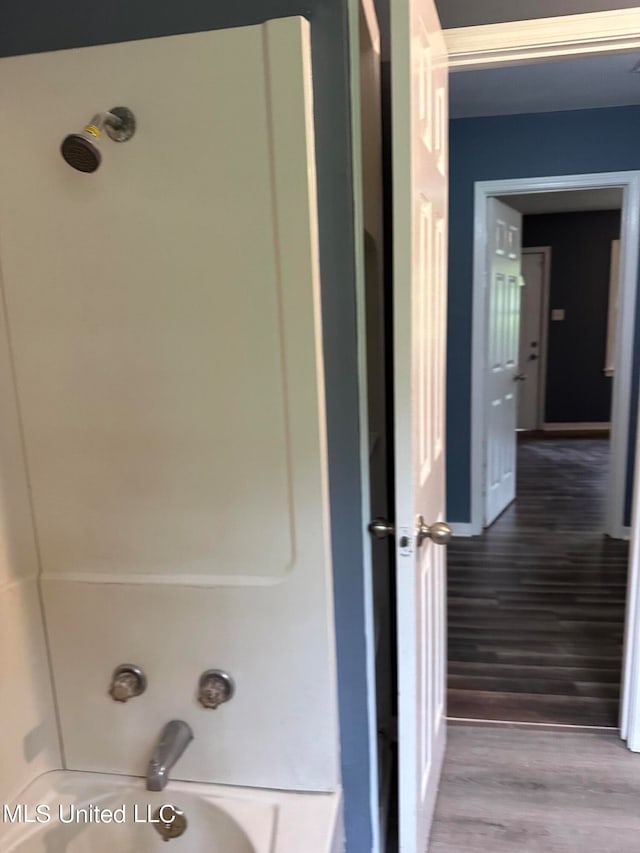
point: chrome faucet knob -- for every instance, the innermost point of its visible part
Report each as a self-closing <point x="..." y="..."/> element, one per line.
<point x="215" y="688"/>
<point x="127" y="681"/>
<point x="124" y="687"/>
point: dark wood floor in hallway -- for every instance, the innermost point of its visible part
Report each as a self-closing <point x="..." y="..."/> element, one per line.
<point x="536" y="605"/>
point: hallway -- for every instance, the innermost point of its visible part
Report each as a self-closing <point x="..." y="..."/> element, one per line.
<point x="536" y="605"/>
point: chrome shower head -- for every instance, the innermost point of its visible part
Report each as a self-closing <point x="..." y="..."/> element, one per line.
<point x="81" y="150"/>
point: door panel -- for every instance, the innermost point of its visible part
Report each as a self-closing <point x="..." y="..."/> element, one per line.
<point x="504" y="250"/>
<point x="420" y="131"/>
<point x="533" y="274"/>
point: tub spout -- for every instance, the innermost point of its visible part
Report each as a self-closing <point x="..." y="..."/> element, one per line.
<point x="174" y="739"/>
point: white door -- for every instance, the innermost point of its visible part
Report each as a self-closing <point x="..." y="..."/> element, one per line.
<point x="504" y="228"/>
<point x="166" y="337"/>
<point x="531" y="338"/>
<point x="419" y="142"/>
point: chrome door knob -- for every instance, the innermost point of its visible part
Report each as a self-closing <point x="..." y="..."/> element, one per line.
<point x="380" y="528"/>
<point x="520" y="377"/>
<point x="439" y="532"/>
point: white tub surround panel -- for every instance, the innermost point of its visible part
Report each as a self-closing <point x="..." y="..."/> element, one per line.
<point x="18" y="552"/>
<point x="29" y="739"/>
<point x="277" y="730"/>
<point x="166" y="329"/>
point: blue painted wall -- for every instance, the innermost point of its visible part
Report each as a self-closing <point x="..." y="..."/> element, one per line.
<point x="41" y="26"/>
<point x="517" y="146"/>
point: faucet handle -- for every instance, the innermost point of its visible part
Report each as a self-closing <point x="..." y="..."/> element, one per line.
<point x="215" y="688"/>
<point x="127" y="681"/>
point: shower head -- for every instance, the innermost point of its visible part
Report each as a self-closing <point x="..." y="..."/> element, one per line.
<point x="81" y="150"/>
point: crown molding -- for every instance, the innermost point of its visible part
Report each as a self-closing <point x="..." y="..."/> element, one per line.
<point x="522" y="42"/>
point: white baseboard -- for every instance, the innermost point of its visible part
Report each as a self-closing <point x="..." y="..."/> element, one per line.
<point x="580" y="426"/>
<point x="461" y="529"/>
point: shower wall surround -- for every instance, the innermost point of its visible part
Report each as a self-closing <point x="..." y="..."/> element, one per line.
<point x="29" y="736"/>
<point x="165" y="325"/>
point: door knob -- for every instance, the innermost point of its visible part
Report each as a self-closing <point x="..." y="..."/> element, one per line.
<point x="380" y="528"/>
<point x="519" y="377"/>
<point x="439" y="532"/>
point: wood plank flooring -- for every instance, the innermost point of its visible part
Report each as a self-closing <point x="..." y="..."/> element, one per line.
<point x="508" y="790"/>
<point x="536" y="605"/>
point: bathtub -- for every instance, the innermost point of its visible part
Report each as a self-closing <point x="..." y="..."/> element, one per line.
<point x="73" y="812"/>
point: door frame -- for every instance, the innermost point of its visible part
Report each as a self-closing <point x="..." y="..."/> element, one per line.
<point x="630" y="698"/>
<point x="620" y="408"/>
<point x="362" y="13"/>
<point x="544" y="332"/>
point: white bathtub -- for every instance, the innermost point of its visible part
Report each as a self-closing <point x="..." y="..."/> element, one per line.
<point x="219" y="819"/>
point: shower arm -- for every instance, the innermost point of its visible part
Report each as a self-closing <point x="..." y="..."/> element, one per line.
<point x="117" y="123"/>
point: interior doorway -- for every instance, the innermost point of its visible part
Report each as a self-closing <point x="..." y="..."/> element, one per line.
<point x="537" y="602"/>
<point x="568" y="310"/>
<point x="496" y="326"/>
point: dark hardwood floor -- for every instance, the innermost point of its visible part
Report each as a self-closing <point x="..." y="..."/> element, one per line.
<point x="536" y="605"/>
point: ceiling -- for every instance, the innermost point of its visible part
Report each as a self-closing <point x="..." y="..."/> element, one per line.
<point x="573" y="201"/>
<point x="470" y="13"/>
<point x="570" y="84"/>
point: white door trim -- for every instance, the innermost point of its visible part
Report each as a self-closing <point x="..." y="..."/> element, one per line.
<point x="461" y="530"/>
<point x="519" y="42"/>
<point x="620" y="410"/>
<point x="544" y="331"/>
<point x="630" y="701"/>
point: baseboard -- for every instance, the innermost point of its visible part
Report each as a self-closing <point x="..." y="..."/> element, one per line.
<point x="515" y="724"/>
<point x="578" y="427"/>
<point x="557" y="430"/>
<point x="461" y="529"/>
